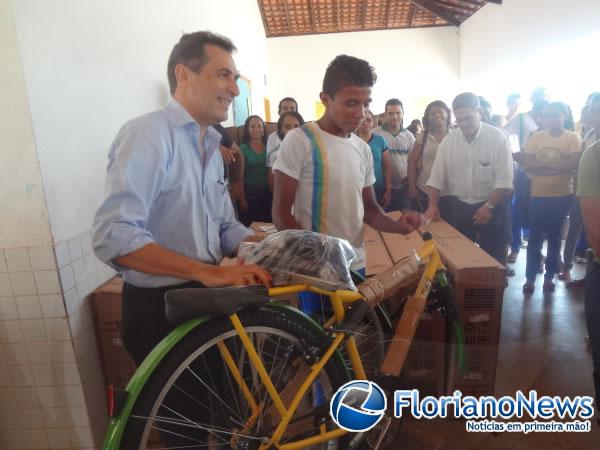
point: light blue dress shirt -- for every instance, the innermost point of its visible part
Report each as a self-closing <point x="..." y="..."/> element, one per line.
<point x="158" y="190"/>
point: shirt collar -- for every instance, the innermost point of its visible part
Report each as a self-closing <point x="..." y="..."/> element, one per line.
<point x="385" y="128"/>
<point x="181" y="117"/>
<point x="177" y="113"/>
<point x="481" y="125"/>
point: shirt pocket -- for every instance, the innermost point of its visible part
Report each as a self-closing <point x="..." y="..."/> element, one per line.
<point x="484" y="174"/>
<point x="216" y="190"/>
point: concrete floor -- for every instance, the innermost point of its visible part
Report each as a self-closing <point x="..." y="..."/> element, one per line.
<point x="542" y="347"/>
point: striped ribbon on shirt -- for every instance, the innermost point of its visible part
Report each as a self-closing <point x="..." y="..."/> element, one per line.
<point x="320" y="180"/>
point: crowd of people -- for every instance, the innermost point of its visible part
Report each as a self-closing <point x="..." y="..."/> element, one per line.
<point x="168" y="216"/>
<point x="520" y="187"/>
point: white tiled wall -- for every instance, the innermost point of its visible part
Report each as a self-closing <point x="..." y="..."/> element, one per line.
<point x="51" y="384"/>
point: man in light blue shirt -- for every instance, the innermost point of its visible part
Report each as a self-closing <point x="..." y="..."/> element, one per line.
<point x="167" y="219"/>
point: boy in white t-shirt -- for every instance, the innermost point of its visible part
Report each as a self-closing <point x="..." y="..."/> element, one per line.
<point x="325" y="172"/>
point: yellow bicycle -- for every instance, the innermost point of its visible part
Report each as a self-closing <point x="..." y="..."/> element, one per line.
<point x="242" y="371"/>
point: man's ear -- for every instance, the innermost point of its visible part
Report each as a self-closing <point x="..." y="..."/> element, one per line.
<point x="182" y="74"/>
<point x="325" y="99"/>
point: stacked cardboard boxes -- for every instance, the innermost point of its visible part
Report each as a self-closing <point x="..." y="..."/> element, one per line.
<point x="478" y="281"/>
<point x="425" y="367"/>
<point x="117" y="365"/>
<point x="479" y="285"/>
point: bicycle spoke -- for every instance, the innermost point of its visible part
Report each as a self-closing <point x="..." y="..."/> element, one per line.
<point x="211" y="391"/>
<point x="200" y="407"/>
<point x="234" y="392"/>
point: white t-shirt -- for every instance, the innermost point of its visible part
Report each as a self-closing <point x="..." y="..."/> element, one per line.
<point x="399" y="147"/>
<point x="343" y="167"/>
<point x="471" y="171"/>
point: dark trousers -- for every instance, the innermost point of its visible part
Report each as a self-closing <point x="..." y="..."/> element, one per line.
<point x="260" y="202"/>
<point x="420" y="203"/>
<point x="143" y="326"/>
<point x="520" y="207"/>
<point x="592" y="318"/>
<point x="546" y="218"/>
<point x="400" y="200"/>
<point x="491" y="236"/>
<point x="144" y="323"/>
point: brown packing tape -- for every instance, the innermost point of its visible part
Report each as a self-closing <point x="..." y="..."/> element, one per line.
<point x="387" y="283"/>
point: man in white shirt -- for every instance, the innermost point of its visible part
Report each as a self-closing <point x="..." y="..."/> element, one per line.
<point x="400" y="143"/>
<point x="325" y="172"/>
<point x="285" y="104"/>
<point x="474" y="166"/>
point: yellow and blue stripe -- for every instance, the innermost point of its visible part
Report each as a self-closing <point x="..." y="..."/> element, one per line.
<point x="320" y="193"/>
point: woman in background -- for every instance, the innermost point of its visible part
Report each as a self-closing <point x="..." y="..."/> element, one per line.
<point x="287" y="121"/>
<point x="436" y="124"/>
<point x="257" y="198"/>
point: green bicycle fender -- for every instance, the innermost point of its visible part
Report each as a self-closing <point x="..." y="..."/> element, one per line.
<point x="299" y="317"/>
<point x="116" y="427"/>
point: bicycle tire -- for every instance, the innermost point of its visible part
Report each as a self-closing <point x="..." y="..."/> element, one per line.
<point x="216" y="399"/>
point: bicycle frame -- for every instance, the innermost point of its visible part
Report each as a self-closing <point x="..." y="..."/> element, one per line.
<point x="339" y="299"/>
<point x="405" y="331"/>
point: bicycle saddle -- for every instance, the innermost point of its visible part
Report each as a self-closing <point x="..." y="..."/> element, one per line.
<point x="185" y="304"/>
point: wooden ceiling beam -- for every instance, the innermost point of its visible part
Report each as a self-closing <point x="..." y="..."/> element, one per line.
<point x="413" y="13"/>
<point x="476" y="3"/>
<point x="434" y="8"/>
<point x="388" y="5"/>
<point x="465" y="6"/>
<point x="363" y="20"/>
<point x="460" y="10"/>
<point x="287" y="15"/>
<point x="311" y="16"/>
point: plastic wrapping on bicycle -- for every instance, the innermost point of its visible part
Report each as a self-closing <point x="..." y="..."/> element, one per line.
<point x="184" y="304"/>
<point x="404" y="275"/>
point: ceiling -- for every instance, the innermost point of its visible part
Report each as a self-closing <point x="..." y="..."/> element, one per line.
<point x="298" y="17"/>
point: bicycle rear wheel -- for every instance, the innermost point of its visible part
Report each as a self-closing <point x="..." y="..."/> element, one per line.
<point x="193" y="400"/>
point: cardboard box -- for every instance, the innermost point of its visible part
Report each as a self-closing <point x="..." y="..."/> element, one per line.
<point x="117" y="365"/>
<point x="378" y="258"/>
<point x="479" y="282"/>
<point x="425" y="367"/>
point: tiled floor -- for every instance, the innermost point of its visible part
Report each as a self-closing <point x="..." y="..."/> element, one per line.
<point x="542" y="347"/>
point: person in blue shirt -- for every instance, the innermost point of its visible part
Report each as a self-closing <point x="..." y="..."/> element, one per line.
<point x="167" y="220"/>
<point x="381" y="160"/>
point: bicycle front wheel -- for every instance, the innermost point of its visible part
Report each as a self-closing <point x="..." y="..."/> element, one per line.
<point x="193" y="398"/>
